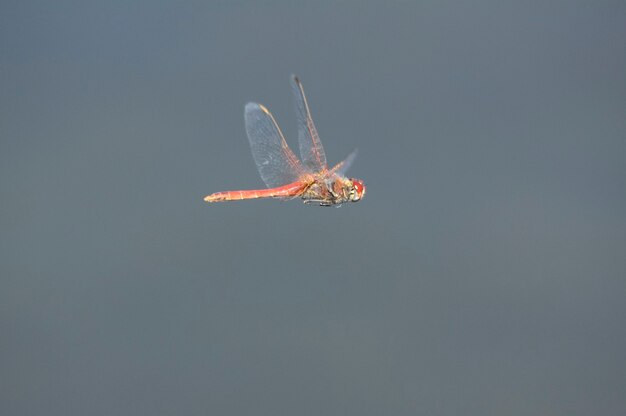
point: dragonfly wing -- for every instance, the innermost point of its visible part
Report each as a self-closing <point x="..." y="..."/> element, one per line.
<point x="342" y="167"/>
<point x="311" y="149"/>
<point x="276" y="162"/>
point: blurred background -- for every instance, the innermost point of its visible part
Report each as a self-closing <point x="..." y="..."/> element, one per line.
<point x="484" y="272"/>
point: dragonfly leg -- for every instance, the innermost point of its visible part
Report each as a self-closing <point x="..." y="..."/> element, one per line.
<point x="321" y="202"/>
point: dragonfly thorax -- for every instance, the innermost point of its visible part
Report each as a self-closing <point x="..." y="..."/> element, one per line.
<point x="334" y="191"/>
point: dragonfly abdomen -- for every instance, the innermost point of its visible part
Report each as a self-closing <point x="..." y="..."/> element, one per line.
<point x="285" y="191"/>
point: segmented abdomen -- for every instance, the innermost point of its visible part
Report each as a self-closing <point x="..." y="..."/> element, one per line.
<point x="285" y="191"/>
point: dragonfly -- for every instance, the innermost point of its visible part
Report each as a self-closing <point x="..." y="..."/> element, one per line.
<point x="286" y="176"/>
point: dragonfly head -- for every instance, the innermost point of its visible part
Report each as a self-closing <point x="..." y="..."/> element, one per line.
<point x="357" y="191"/>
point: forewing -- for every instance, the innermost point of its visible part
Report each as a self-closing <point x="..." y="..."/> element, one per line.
<point x="311" y="149"/>
<point x="276" y="162"/>
<point x="342" y="167"/>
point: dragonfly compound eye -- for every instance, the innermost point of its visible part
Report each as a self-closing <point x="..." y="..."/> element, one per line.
<point x="357" y="191"/>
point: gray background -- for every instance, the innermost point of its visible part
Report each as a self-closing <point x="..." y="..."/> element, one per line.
<point x="484" y="272"/>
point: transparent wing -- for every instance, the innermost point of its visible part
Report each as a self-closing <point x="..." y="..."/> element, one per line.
<point x="276" y="163"/>
<point x="311" y="149"/>
<point x="342" y="167"/>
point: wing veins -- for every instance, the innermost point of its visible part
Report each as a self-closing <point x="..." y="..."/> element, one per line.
<point x="275" y="161"/>
<point x="310" y="144"/>
<point x="291" y="157"/>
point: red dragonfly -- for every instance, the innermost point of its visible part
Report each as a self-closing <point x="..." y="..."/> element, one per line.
<point x="285" y="175"/>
